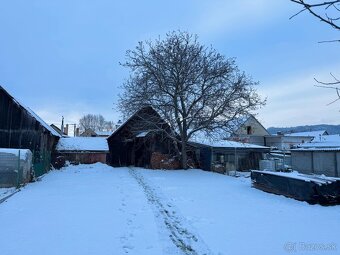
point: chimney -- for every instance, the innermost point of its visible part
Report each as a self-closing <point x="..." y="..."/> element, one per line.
<point x="66" y="129"/>
<point x="77" y="132"/>
<point x="62" y="124"/>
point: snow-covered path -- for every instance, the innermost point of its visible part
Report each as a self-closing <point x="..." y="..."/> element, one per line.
<point x="81" y="210"/>
<point x="97" y="209"/>
<point x="171" y="224"/>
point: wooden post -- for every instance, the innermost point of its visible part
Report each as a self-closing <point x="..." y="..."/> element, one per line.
<point x="18" y="173"/>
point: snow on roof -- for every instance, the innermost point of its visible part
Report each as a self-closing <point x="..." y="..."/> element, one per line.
<point x="106" y="133"/>
<point x="43" y="123"/>
<point x="82" y="144"/>
<point x="33" y="114"/>
<point x="201" y="138"/>
<point x="326" y="141"/>
<point x="315" y="134"/>
<point x="143" y="134"/>
<point x="318" y="149"/>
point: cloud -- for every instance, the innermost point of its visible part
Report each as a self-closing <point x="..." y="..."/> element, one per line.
<point x="231" y="16"/>
<point x="297" y="101"/>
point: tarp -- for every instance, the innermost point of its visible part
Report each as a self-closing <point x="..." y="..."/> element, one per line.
<point x="313" y="190"/>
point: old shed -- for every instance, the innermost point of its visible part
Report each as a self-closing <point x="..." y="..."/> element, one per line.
<point x="83" y="150"/>
<point x="224" y="156"/>
<point x="21" y="128"/>
<point x="142" y="141"/>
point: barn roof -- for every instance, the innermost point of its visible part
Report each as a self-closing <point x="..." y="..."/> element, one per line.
<point x="147" y="108"/>
<point x="32" y="113"/>
<point x="82" y="144"/>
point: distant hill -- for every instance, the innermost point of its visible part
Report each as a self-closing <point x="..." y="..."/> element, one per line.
<point x="331" y="129"/>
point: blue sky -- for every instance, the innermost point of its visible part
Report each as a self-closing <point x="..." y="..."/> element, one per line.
<point x="62" y="57"/>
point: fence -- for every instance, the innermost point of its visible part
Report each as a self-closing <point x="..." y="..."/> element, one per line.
<point x="41" y="162"/>
<point x="15" y="167"/>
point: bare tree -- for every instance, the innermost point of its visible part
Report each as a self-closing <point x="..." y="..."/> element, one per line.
<point x="192" y="87"/>
<point x="94" y="122"/>
<point x="327" y="12"/>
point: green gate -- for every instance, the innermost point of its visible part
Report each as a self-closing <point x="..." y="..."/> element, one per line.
<point x="41" y="162"/>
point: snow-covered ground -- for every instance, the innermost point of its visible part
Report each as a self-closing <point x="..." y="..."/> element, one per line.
<point x="96" y="209"/>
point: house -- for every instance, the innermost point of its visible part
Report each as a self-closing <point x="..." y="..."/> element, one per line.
<point x="142" y="141"/>
<point x="88" y="133"/>
<point x="83" y="150"/>
<point x="315" y="135"/>
<point x="91" y="133"/>
<point x="286" y="142"/>
<point x="224" y="156"/>
<point x="21" y="128"/>
<point x="247" y="129"/>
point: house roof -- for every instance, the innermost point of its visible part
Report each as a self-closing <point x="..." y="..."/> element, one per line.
<point x="33" y="114"/>
<point x="326" y="141"/>
<point x="315" y="134"/>
<point x="82" y="144"/>
<point x="103" y="133"/>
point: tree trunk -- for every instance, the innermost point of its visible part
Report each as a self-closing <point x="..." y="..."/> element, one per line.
<point x="184" y="155"/>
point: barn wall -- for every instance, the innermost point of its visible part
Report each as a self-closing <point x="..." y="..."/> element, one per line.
<point x="127" y="148"/>
<point x="84" y="157"/>
<point x="18" y="129"/>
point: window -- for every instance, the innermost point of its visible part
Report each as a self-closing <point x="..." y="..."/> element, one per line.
<point x="249" y="130"/>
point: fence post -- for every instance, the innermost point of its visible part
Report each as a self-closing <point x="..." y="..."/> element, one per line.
<point x="18" y="172"/>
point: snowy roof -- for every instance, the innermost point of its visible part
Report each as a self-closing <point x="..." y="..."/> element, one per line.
<point x="82" y="144"/>
<point x="315" y="134"/>
<point x="201" y="138"/>
<point x="104" y="133"/>
<point x="143" y="134"/>
<point x="326" y="141"/>
<point x="318" y="149"/>
<point x="34" y="115"/>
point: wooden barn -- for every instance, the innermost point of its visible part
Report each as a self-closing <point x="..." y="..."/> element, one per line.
<point x="21" y="128"/>
<point x="142" y="141"/>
